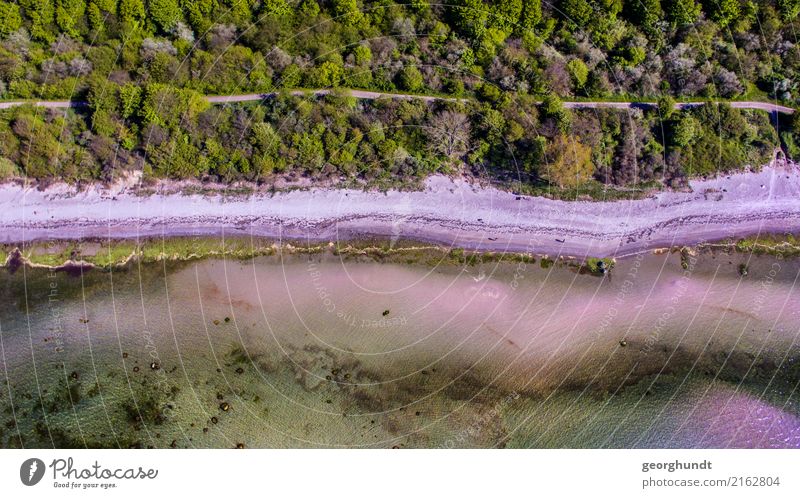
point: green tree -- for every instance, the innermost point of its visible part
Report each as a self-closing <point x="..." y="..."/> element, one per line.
<point x="531" y="14"/>
<point x="579" y="72"/>
<point x="362" y="54"/>
<point x="167" y="106"/>
<point x="95" y="17"/>
<point x="570" y="163"/>
<point x="164" y="13"/>
<point x="666" y="107"/>
<point x="553" y="107"/>
<point x="10" y="19"/>
<point x="198" y="13"/>
<point x="723" y="12"/>
<point x="310" y="151"/>
<point x="42" y="15"/>
<point x="328" y="74"/>
<point x="506" y="13"/>
<point x="109" y="6"/>
<point x="577" y="11"/>
<point x="411" y="79"/>
<point x="645" y="13"/>
<point x="130" y="99"/>
<point x="131" y="11"/>
<point x="471" y="17"/>
<point x="69" y="14"/>
<point x="683" y="12"/>
<point x="789" y="9"/>
<point x="347" y="11"/>
<point x="8" y="169"/>
<point x="309" y="9"/>
<point x="686" y="130"/>
<point x="276" y="8"/>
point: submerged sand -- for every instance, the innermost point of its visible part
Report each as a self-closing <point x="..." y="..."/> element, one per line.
<point x="447" y="211"/>
<point x="302" y="352"/>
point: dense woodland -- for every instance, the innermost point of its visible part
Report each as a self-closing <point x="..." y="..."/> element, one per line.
<point x="143" y="67"/>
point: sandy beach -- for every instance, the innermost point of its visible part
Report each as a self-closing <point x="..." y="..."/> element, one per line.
<point x="447" y="211"/>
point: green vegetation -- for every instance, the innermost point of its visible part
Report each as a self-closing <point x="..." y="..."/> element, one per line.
<point x="784" y="245"/>
<point x="172" y="133"/>
<point x="143" y="67"/>
<point x="599" y="266"/>
<point x="117" y="254"/>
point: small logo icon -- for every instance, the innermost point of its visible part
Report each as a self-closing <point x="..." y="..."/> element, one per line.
<point x="31" y="471"/>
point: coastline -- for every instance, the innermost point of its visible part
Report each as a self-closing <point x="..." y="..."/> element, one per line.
<point x="452" y="213"/>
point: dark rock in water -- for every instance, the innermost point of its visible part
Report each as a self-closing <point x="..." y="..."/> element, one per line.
<point x="227" y="319"/>
<point x="75" y="268"/>
<point x="14" y="261"/>
<point x="385" y="312"/>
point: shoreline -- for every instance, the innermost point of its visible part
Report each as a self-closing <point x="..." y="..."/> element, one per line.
<point x="113" y="254"/>
<point x="452" y="213"/>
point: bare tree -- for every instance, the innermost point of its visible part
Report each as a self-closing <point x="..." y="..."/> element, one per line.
<point x="449" y="133"/>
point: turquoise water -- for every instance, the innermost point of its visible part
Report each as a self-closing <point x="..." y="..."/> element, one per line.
<point x="319" y="352"/>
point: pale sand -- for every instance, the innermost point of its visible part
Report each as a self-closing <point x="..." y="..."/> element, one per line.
<point x="447" y="211"/>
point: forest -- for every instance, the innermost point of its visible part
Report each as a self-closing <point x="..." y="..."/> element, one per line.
<point x="143" y="67"/>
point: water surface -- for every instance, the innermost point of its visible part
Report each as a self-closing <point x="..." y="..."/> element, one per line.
<point x="314" y="351"/>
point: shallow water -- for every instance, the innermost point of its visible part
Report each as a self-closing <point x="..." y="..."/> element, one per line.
<point x="316" y="351"/>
